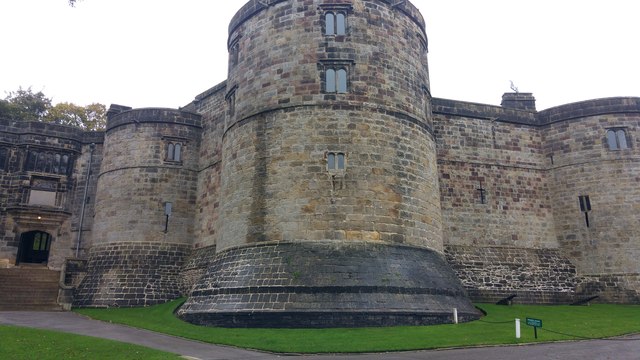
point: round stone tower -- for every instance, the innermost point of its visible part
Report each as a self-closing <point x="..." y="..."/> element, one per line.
<point x="330" y="206"/>
<point x="144" y="208"/>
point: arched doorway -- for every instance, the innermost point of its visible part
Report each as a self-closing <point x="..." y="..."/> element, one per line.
<point x="34" y="247"/>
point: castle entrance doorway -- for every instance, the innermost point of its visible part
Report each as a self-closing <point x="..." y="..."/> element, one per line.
<point x="34" y="247"/>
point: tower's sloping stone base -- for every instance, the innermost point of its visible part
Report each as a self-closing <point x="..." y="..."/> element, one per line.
<point x="131" y="274"/>
<point x="327" y="284"/>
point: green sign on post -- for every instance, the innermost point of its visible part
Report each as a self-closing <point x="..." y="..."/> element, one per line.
<point x="536" y="323"/>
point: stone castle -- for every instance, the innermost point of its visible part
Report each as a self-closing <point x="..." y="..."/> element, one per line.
<point x="322" y="185"/>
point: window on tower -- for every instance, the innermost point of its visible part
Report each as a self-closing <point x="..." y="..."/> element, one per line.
<point x="336" y="80"/>
<point x="335" y="23"/>
<point x="617" y="139"/>
<point x="336" y="161"/>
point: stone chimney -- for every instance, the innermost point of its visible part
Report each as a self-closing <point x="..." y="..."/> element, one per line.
<point x="519" y="101"/>
<point x="116" y="109"/>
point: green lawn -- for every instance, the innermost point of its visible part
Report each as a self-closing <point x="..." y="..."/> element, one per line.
<point x="17" y="343"/>
<point x="583" y="321"/>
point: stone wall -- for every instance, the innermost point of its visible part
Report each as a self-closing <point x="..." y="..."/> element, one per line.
<point x="211" y="104"/>
<point x="131" y="274"/>
<point x="493" y="177"/>
<point x="326" y="284"/>
<point x="19" y="141"/>
<point x="489" y="274"/>
<point x="582" y="164"/>
<point x="195" y="266"/>
<point x="137" y="178"/>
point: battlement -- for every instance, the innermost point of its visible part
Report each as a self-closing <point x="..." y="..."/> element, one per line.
<point x="614" y="105"/>
<point x="151" y="115"/>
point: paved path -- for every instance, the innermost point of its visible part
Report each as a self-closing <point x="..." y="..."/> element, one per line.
<point x="620" y="349"/>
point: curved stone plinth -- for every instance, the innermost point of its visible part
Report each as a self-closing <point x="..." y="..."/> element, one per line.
<point x="131" y="274"/>
<point x="327" y="284"/>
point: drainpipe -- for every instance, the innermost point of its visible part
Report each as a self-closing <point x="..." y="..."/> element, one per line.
<point x="84" y="198"/>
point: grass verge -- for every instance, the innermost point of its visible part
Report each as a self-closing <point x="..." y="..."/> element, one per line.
<point x="19" y="343"/>
<point x="497" y="327"/>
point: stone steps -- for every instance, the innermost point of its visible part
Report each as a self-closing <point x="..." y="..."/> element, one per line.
<point x="29" y="289"/>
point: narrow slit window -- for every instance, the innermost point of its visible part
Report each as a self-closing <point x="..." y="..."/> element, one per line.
<point x="622" y="139"/>
<point x="330" y="23"/>
<point x="340" y="165"/>
<point x="331" y="161"/>
<point x="177" y="152"/>
<point x="330" y="80"/>
<point x="341" y="79"/>
<point x="341" y="24"/>
<point x="585" y="207"/>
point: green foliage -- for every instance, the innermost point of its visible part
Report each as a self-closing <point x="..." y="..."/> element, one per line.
<point x="22" y="343"/>
<point x="26" y="105"/>
<point x="497" y="327"/>
<point x="91" y="117"/>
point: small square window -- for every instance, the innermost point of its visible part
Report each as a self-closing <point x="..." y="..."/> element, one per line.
<point x="336" y="161"/>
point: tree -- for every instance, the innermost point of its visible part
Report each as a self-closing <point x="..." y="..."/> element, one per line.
<point x="25" y="105"/>
<point x="29" y="106"/>
<point x="91" y="117"/>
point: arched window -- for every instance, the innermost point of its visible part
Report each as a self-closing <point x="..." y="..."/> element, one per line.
<point x="617" y="139"/>
<point x="330" y="81"/>
<point x="341" y="79"/>
<point x="335" y="161"/>
<point x="177" y="152"/>
<point x="174" y="151"/>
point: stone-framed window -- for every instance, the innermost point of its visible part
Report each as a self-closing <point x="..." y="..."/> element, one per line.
<point x="617" y="139"/>
<point x="335" y="75"/>
<point x="231" y="101"/>
<point x="234" y="52"/>
<point x="174" y="151"/>
<point x="335" y="80"/>
<point x="43" y="191"/>
<point x="335" y="23"/>
<point x="336" y="161"/>
<point x="48" y="162"/>
<point x="334" y="19"/>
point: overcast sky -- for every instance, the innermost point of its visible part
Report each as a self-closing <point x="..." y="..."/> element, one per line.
<point x="162" y="53"/>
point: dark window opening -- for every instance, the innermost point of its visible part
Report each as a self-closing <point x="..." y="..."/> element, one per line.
<point x="34" y="247"/>
<point x="48" y="162"/>
<point x="585" y="207"/>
